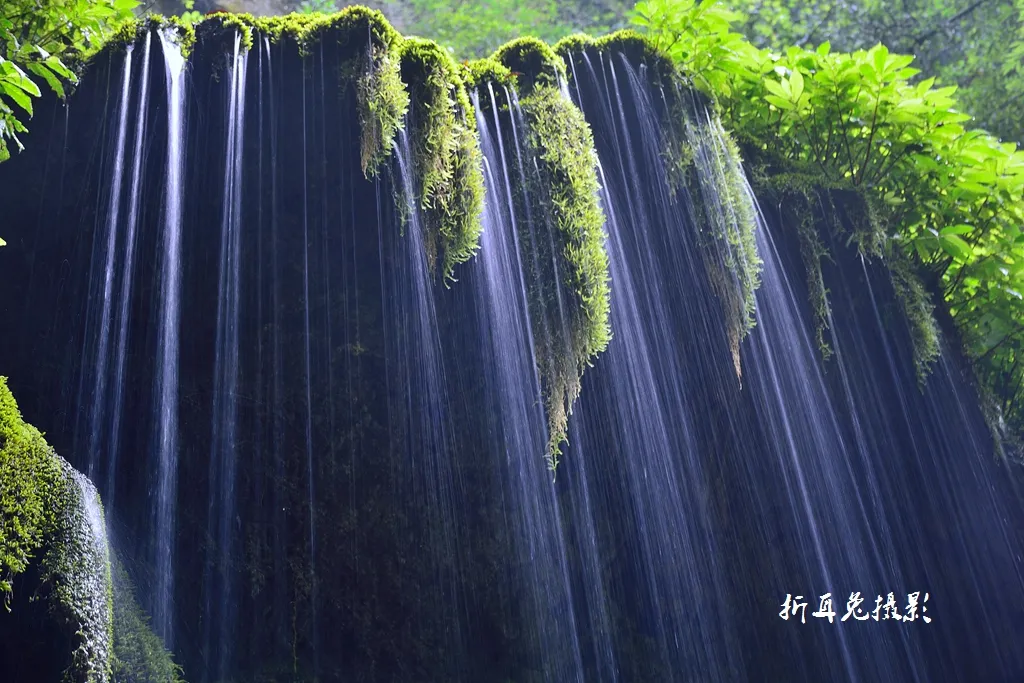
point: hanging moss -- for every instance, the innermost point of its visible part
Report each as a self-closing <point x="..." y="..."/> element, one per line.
<point x="29" y="478"/>
<point x="447" y="161"/>
<point x="800" y="197"/>
<point x="728" y="224"/>
<point x="139" y="656"/>
<point x="569" y="272"/>
<point x="383" y="103"/>
<point x="479" y="72"/>
<point x="812" y="251"/>
<point x="919" y="311"/>
<point x="51" y="514"/>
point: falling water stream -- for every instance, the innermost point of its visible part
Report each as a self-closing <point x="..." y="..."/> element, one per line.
<point x="167" y="371"/>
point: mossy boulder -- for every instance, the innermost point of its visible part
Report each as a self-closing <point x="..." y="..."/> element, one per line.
<point x="53" y="560"/>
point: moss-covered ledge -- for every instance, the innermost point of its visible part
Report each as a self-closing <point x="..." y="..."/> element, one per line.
<point x="52" y="528"/>
<point x="446" y="153"/>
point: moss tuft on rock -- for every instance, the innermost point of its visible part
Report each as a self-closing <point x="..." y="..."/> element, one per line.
<point x="51" y="514"/>
<point x="478" y="72"/>
<point x="532" y="63"/>
<point x="567" y="263"/>
<point x="383" y="102"/>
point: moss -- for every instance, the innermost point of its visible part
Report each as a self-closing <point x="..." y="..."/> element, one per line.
<point x="532" y="63"/>
<point x="919" y="311"/>
<point x="447" y="161"/>
<point x="139" y="656"/>
<point x="477" y="72"/>
<point x="131" y="31"/>
<point x="352" y="24"/>
<point x="569" y="280"/>
<point x="383" y="102"/>
<point x="799" y="194"/>
<point x="728" y="224"/>
<point x="812" y="251"/>
<point x="29" y="478"/>
<point x="52" y="514"/>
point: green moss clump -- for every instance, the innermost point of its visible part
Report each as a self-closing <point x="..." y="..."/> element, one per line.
<point x="352" y="25"/>
<point x="569" y="297"/>
<point x="139" y="654"/>
<point x="49" y="512"/>
<point x="447" y="160"/>
<point x="383" y="102"/>
<point x="30" y="478"/>
<point x="729" y="229"/>
<point x="478" y="72"/>
<point x="532" y="63"/>
<point x="919" y="311"/>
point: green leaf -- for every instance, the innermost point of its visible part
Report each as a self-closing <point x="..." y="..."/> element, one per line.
<point x="797" y="83"/>
<point x="17" y="95"/>
<point x="961" y="229"/>
<point x="956" y="247"/>
<point x="42" y="71"/>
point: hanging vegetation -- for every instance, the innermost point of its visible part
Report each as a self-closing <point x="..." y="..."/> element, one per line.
<point x="951" y="199"/>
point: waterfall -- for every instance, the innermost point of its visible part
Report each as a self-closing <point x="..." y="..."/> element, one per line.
<point x="325" y="460"/>
<point x="167" y="371"/>
<point x="98" y="397"/>
<point x="223" y="525"/>
<point x="128" y="276"/>
<point x="529" y="500"/>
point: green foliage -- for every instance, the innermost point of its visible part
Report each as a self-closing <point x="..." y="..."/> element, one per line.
<point x="974" y="44"/>
<point x="446" y="155"/>
<point x="566" y="191"/>
<point x="698" y="37"/>
<point x="318" y="6"/>
<point x="190" y="16"/>
<point x="139" y="654"/>
<point x="41" y="38"/>
<point x="46" y="516"/>
<point x="949" y="199"/>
